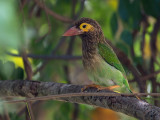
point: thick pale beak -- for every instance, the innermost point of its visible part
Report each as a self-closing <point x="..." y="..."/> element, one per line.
<point x="73" y="31"/>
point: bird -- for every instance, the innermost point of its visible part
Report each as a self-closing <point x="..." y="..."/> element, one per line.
<point x="99" y="60"/>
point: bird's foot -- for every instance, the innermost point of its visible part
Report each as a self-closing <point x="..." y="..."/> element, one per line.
<point x="99" y="87"/>
<point x="108" y="88"/>
<point x="90" y="86"/>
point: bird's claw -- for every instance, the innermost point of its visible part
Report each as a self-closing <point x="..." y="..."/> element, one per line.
<point x="99" y="87"/>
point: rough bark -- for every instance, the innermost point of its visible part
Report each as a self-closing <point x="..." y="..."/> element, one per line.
<point x="127" y="105"/>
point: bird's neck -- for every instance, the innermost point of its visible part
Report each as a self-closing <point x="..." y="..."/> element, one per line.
<point x="90" y="51"/>
<point x="90" y="44"/>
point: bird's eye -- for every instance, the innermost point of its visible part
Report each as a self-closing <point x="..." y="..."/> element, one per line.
<point x="84" y="26"/>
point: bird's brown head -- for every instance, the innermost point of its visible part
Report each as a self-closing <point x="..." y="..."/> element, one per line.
<point x="87" y="29"/>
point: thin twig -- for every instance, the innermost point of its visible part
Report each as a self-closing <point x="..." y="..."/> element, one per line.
<point x="145" y="25"/>
<point x="62" y="39"/>
<point x="49" y="24"/>
<point x="22" y="110"/>
<point x="153" y="57"/>
<point x="147" y="77"/>
<point x="31" y="10"/>
<point x="49" y="57"/>
<point x="49" y="97"/>
<point x="22" y="4"/>
<point x="52" y="13"/>
<point x="150" y="75"/>
<point x="75" y="112"/>
<point x="28" y="70"/>
<point x="27" y="66"/>
<point x="80" y="10"/>
<point x="6" y="115"/>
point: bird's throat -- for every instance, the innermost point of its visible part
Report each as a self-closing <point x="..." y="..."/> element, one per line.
<point x="89" y="51"/>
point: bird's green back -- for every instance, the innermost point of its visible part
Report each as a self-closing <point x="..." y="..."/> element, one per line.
<point x="110" y="57"/>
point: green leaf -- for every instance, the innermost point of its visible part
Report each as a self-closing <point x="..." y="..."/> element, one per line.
<point x="10" y="32"/>
<point x="126" y="36"/>
<point x="8" y="71"/>
<point x="114" y="24"/>
<point x="152" y="7"/>
<point x="138" y="60"/>
<point x="65" y="112"/>
<point x="18" y="74"/>
<point x="130" y="13"/>
<point x="123" y="47"/>
<point x="14" y="116"/>
<point x="2" y="75"/>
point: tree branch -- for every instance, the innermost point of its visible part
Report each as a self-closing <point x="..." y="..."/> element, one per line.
<point x="127" y="105"/>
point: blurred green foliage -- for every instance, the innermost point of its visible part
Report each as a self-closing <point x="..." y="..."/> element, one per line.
<point x="10" y="31"/>
<point x="130" y="13"/>
<point x="9" y="72"/>
<point x="26" y="25"/>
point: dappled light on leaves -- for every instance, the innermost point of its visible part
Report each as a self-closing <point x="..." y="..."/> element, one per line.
<point x="147" y="48"/>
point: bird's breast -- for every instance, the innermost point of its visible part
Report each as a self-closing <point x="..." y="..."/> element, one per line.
<point x="90" y="55"/>
<point x="92" y="62"/>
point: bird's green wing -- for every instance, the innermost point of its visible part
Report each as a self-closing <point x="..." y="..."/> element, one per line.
<point x="109" y="56"/>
